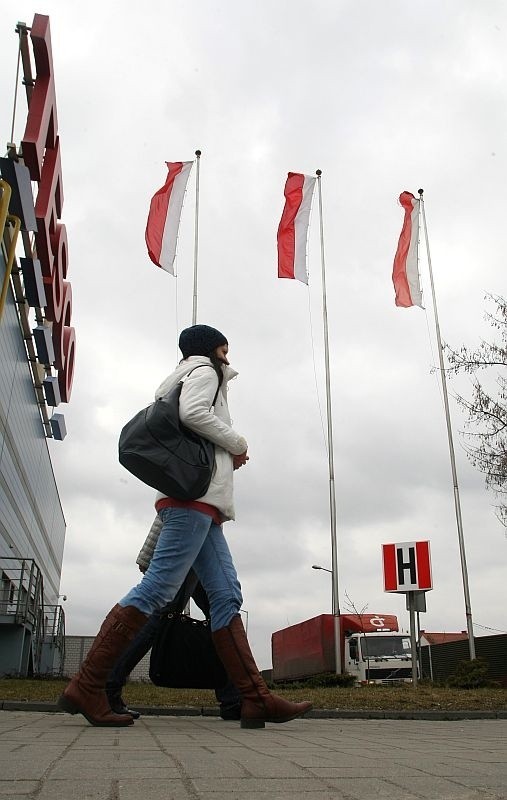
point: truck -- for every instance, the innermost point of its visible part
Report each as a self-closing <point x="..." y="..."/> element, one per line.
<point x="373" y="649"/>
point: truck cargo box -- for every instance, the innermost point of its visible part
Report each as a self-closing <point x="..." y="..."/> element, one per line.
<point x="307" y="648"/>
<point x="304" y="649"/>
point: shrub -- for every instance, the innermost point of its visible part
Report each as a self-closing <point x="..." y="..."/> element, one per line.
<point x="317" y="681"/>
<point x="331" y="679"/>
<point x="470" y="675"/>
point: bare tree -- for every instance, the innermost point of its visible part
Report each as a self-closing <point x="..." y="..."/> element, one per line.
<point x="485" y="434"/>
<point x="351" y="607"/>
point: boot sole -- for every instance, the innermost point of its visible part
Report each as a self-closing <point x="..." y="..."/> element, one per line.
<point x="133" y="714"/>
<point x="253" y="723"/>
<point x="261" y="723"/>
<point x="64" y="704"/>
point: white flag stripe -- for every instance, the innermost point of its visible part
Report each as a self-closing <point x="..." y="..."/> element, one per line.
<point x="171" y="227"/>
<point x="412" y="261"/>
<point x="301" y="224"/>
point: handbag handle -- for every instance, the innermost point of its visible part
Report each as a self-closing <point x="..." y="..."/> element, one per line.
<point x="211" y="367"/>
<point x="182" y="598"/>
<point x="177" y="606"/>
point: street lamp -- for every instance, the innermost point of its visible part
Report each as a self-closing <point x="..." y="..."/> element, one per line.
<point x="336" y="621"/>
<point x="243" y="611"/>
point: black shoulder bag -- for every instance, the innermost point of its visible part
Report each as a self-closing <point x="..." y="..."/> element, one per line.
<point x="160" y="451"/>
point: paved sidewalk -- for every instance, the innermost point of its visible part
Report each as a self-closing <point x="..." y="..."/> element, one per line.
<point x="47" y="756"/>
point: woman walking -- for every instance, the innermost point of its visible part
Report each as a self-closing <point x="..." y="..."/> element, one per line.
<point x="191" y="537"/>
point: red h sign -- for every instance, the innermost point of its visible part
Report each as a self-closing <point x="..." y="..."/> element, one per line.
<point x="407" y="567"/>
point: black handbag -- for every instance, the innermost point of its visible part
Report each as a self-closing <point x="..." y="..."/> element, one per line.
<point x="160" y="451"/>
<point x="183" y="655"/>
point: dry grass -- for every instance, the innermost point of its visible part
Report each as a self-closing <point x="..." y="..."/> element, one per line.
<point x="378" y="698"/>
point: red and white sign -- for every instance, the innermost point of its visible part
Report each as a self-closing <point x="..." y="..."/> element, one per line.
<point x="407" y="567"/>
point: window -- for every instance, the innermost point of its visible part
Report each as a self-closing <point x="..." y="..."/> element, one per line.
<point x="385" y="647"/>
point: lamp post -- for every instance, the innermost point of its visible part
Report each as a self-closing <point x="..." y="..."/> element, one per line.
<point x="243" y="611"/>
<point x="336" y="618"/>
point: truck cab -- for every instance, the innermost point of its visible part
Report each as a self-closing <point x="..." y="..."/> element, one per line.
<point x="378" y="657"/>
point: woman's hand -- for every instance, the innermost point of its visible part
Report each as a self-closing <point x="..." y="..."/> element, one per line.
<point x="240" y="461"/>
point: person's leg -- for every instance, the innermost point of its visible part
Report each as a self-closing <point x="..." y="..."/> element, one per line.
<point x="183" y="534"/>
<point x="229" y="699"/>
<point x="85" y="693"/>
<point x="258" y="704"/>
<point x="227" y="696"/>
<point x="141" y="645"/>
<point x="181" y="538"/>
<point x="217" y="574"/>
<point x="136" y="650"/>
<point x="216" y="571"/>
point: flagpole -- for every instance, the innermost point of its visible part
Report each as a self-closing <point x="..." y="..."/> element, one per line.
<point x="332" y="493"/>
<point x="196" y="237"/>
<point x="457" y="505"/>
<point x="186" y="609"/>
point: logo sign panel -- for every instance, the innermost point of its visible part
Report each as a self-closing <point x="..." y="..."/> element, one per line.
<point x="44" y="277"/>
<point x="41" y="153"/>
<point x="407" y="567"/>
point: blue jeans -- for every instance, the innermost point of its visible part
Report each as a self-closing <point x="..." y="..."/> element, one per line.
<point x="189" y="539"/>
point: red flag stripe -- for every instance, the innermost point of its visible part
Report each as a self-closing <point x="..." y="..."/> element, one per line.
<point x="405" y="268"/>
<point x="423" y="565"/>
<point x="293" y="228"/>
<point x="389" y="563"/>
<point x="164" y="215"/>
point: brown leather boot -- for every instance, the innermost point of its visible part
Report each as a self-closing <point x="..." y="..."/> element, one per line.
<point x="85" y="694"/>
<point x="258" y="705"/>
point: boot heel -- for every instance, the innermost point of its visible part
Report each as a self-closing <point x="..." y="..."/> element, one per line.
<point x="253" y="723"/>
<point x="64" y="704"/>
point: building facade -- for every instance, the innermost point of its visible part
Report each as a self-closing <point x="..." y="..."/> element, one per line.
<point x="76" y="650"/>
<point x="37" y="346"/>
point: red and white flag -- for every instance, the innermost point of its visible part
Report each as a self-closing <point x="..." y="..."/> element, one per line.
<point x="164" y="215"/>
<point x="405" y="269"/>
<point x="293" y="228"/>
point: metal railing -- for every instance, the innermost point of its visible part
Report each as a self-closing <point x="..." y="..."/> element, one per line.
<point x="22" y="603"/>
<point x="54" y="635"/>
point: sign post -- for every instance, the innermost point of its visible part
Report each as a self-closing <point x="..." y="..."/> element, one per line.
<point x="413" y="638"/>
<point x="407" y="570"/>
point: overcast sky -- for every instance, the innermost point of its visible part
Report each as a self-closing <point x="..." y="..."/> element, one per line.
<point x="382" y="97"/>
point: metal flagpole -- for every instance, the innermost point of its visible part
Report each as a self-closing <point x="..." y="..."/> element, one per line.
<point x="332" y="494"/>
<point x="457" y="506"/>
<point x="186" y="610"/>
<point x="196" y="237"/>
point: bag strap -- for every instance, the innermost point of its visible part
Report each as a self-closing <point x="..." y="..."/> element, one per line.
<point x="211" y="367"/>
<point x="183" y="595"/>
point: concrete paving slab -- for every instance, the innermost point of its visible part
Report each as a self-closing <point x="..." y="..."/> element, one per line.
<point x="20" y="789"/>
<point x="48" y="756"/>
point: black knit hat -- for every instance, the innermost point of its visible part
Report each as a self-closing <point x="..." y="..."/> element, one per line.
<point x="200" y="340"/>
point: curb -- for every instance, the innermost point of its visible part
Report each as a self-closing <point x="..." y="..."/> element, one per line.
<point x="317" y="713"/>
